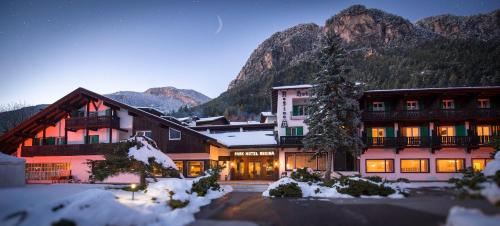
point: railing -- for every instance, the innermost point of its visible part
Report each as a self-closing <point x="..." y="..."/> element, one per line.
<point x="66" y="150"/>
<point x="291" y="140"/>
<point x="93" y="122"/>
<point x="428" y="141"/>
<point x="433" y="114"/>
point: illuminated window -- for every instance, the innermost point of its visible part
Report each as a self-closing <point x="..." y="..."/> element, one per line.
<point x="378" y="106"/>
<point x="379" y="165"/>
<point x="195" y="168"/>
<point x="414" y="165"/>
<point x="447" y="131"/>
<point x="479" y="164"/>
<point x="411" y="131"/>
<point x="179" y="165"/>
<point x="301" y="160"/>
<point x="412" y="105"/>
<point x="47" y="171"/>
<point x="483" y="103"/>
<point x="483" y="130"/>
<point x="448" y="104"/>
<point x="174" y="134"/>
<point x="378" y="132"/>
<point x="449" y="165"/>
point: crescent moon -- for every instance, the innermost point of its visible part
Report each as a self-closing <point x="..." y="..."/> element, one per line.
<point x="221" y="25"/>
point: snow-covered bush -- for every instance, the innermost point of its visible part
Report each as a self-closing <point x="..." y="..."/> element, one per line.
<point x="403" y="180"/>
<point x="203" y="184"/>
<point x="286" y="190"/>
<point x="305" y="175"/>
<point x="460" y="216"/>
<point x="374" y="179"/>
<point x="359" y="188"/>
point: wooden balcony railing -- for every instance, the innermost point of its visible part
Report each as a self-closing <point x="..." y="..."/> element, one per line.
<point x="93" y="122"/>
<point x="432" y="114"/>
<point x="66" y="150"/>
<point x="291" y="140"/>
<point x="430" y="141"/>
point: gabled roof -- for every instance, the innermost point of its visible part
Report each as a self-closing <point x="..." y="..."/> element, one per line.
<point x="59" y="109"/>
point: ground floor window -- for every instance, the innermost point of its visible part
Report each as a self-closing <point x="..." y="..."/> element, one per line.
<point x="414" y="165"/>
<point x="379" y="165"/>
<point x="479" y="164"/>
<point x="180" y="166"/>
<point x="301" y="160"/>
<point x="47" y="171"/>
<point x="449" y="165"/>
<point x="195" y="168"/>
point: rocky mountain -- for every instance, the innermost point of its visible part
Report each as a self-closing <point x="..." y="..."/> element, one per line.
<point x="163" y="98"/>
<point x="9" y="119"/>
<point x="384" y="50"/>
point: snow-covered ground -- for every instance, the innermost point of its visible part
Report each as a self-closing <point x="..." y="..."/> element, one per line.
<point x="460" y="216"/>
<point x="95" y="205"/>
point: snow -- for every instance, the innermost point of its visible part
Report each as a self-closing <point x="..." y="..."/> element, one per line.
<point x="147" y="151"/>
<point x="244" y="138"/>
<point x="243" y="123"/>
<point x="266" y="114"/>
<point x="97" y="206"/>
<point x="209" y="119"/>
<point x="305" y="86"/>
<point x="309" y="189"/>
<point x="493" y="166"/>
<point x="460" y="216"/>
<point x="4" y="159"/>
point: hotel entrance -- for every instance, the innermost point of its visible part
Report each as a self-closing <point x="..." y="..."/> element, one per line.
<point x="254" y="165"/>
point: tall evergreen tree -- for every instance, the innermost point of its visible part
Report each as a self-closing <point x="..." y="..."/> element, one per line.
<point x="334" y="114"/>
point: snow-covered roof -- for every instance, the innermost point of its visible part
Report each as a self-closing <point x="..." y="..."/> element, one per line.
<point x="434" y="89"/>
<point x="305" y="86"/>
<point x="9" y="159"/>
<point x="209" y="119"/>
<point x="248" y="138"/>
<point x="244" y="123"/>
<point x="266" y="114"/>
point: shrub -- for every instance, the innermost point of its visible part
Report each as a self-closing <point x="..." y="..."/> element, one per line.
<point x="374" y="179"/>
<point x="404" y="180"/>
<point x="328" y="183"/>
<point x="357" y="188"/>
<point x="203" y="184"/>
<point x="286" y="190"/>
<point x="175" y="203"/>
<point x="64" y="222"/>
<point x="305" y="175"/>
<point x="470" y="179"/>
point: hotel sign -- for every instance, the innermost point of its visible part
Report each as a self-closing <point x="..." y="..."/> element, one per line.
<point x="254" y="153"/>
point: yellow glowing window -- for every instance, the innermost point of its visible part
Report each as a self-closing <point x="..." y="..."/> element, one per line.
<point x="449" y="165"/>
<point x="483" y="131"/>
<point x="447" y="131"/>
<point x="195" y="168"/>
<point x="411" y="132"/>
<point x="179" y="165"/>
<point x="378" y="132"/>
<point x="380" y="165"/>
<point x="414" y="165"/>
<point x="479" y="164"/>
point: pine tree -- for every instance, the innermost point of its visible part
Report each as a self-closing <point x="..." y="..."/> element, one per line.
<point x="334" y="114"/>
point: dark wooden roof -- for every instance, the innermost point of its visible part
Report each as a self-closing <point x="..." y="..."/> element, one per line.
<point x="10" y="140"/>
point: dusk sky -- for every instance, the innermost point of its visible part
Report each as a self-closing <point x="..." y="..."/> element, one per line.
<point x="49" y="48"/>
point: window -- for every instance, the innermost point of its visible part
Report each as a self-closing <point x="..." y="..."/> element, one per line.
<point x="195" y="168"/>
<point x="299" y="110"/>
<point x="378" y="132"/>
<point x="180" y="166"/>
<point x="412" y="105"/>
<point x="411" y="132"/>
<point x="483" y="130"/>
<point x="92" y="139"/>
<point x="378" y="106"/>
<point x="144" y="133"/>
<point x="174" y="134"/>
<point x="448" y="104"/>
<point x="414" y="165"/>
<point x="47" y="171"/>
<point x="479" y="164"/>
<point x="449" y="165"/>
<point x="483" y="103"/>
<point x="301" y="160"/>
<point x="446" y="131"/>
<point x="295" y="131"/>
<point x="379" y="165"/>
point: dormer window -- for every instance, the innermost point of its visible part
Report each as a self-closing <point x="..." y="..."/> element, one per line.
<point x="378" y="106"/>
<point x="448" y="104"/>
<point x="412" y="105"/>
<point x="483" y="103"/>
<point x="174" y="134"/>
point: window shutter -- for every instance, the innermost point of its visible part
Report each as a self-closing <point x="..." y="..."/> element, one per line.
<point x="389" y="131"/>
<point x="368" y="131"/>
<point x="51" y="140"/>
<point x="288" y="131"/>
<point x="36" y="141"/>
<point x="370" y="106"/>
<point x="405" y="106"/>
<point x="95" y="139"/>
<point x="85" y="139"/>
<point x="295" y="110"/>
<point x="300" y="131"/>
<point x="424" y="131"/>
<point x="387" y="106"/>
<point x="420" y="105"/>
<point x="460" y="129"/>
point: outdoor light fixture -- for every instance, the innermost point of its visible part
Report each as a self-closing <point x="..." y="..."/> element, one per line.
<point x="133" y="186"/>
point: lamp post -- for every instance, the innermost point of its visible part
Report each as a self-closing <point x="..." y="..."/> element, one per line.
<point x="133" y="186"/>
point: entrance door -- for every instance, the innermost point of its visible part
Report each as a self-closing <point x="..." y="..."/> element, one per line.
<point x="254" y="169"/>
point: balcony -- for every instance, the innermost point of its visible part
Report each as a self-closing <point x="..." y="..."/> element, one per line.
<point x="75" y="123"/>
<point x="291" y="140"/>
<point x="434" y="142"/>
<point x="297" y="117"/>
<point x="66" y="150"/>
<point x="426" y="115"/>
